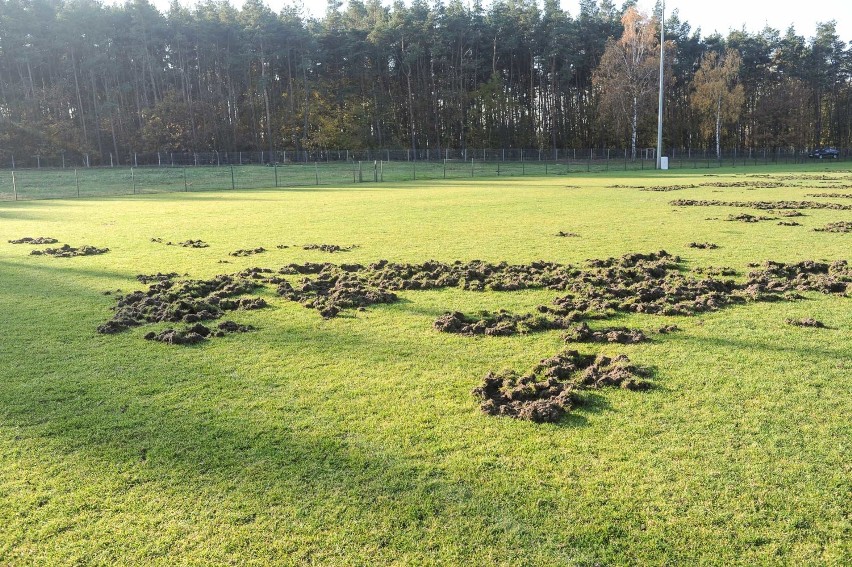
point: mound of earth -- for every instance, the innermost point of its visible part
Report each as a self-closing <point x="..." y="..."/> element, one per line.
<point x="621" y="335"/>
<point x="745" y="184"/>
<point x="34" y="240"/>
<point x="666" y="188"/>
<point x="788" y="213"/>
<point x="193" y="244"/>
<point x="282" y="247"/>
<point x="841" y="226"/>
<point x="744" y="217"/>
<point x="186" y="301"/>
<point x="66" y="251"/>
<point x="148" y="278"/>
<point x="714" y="271"/>
<point x="248" y="251"/>
<point x="331" y="248"/>
<point x="789" y="223"/>
<point x="831" y="195"/>
<point x="807" y="322"/>
<point x="501" y="323"/>
<point x="760" y="205"/>
<point x="197" y="333"/>
<point x="703" y="245"/>
<point x="553" y="386"/>
<point x="563" y="234"/>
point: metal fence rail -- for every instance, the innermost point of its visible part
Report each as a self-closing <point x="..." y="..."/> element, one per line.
<point x="70" y="182"/>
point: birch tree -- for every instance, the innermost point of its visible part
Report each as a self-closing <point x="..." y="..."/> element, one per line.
<point x="627" y="77"/>
<point x="717" y="96"/>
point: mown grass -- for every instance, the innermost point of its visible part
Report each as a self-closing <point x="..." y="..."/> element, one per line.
<point x="356" y="440"/>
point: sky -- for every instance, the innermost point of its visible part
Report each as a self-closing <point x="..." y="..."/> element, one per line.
<point x="709" y="15"/>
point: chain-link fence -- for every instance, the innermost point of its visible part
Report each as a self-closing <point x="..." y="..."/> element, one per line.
<point x="234" y="170"/>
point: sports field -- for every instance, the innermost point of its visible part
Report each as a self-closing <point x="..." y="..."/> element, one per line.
<point x="355" y="439"/>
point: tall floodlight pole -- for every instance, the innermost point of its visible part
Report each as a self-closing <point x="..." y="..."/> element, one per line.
<point x="662" y="64"/>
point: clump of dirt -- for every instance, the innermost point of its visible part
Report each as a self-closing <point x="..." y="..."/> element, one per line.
<point x="34" y="240"/>
<point x="282" y="247"/>
<point x="745" y="217"/>
<point x="703" y="245"/>
<point x="248" y="251"/>
<point x="760" y="205"/>
<point x="807" y="322"/>
<point x="501" y="323"/>
<point x="666" y="188"/>
<point x="254" y="273"/>
<point x="779" y="278"/>
<point x="788" y="213"/>
<point x="666" y="329"/>
<point x="789" y="223"/>
<point x="331" y="248"/>
<point x="746" y="184"/>
<point x="553" y="386"/>
<point x="334" y="290"/>
<point x="197" y="333"/>
<point x="186" y="243"/>
<point x="841" y="226"/>
<point x="148" y="278"/>
<point x="186" y="301"/>
<point x="66" y="251"/>
<point x="563" y="234"/>
<point x="621" y="335"/>
<point x="831" y="195"/>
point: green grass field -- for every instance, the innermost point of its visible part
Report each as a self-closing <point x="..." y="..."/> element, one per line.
<point x="356" y="440"/>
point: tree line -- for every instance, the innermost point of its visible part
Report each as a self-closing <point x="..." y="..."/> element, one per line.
<point x="90" y="78"/>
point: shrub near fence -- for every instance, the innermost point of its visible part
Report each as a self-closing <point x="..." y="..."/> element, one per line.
<point x="70" y="182"/>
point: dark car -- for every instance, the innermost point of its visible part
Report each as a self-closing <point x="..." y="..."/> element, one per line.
<point x="825" y="153"/>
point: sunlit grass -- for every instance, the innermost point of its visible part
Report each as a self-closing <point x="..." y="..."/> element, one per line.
<point x="356" y="440"/>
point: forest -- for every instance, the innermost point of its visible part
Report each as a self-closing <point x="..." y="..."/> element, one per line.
<point x="83" y="77"/>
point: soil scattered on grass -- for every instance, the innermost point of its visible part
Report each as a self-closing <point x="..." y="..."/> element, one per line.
<point x="148" y="278"/>
<point x="666" y="329"/>
<point x="331" y="248"/>
<point x="36" y="240"/>
<point x="282" y="247"/>
<point x="745" y="184"/>
<point x="760" y="205"/>
<point x="553" y="387"/>
<point x="789" y="223"/>
<point x="66" y="251"/>
<point x="745" y="217"/>
<point x="787" y="213"/>
<point x="621" y="335"/>
<point x="666" y="188"/>
<point x="248" y="251"/>
<point x="563" y="234"/>
<point x="714" y="271"/>
<point x="807" y="322"/>
<point x="197" y="333"/>
<point x="185" y="244"/>
<point x="831" y="195"/>
<point x="703" y="245"/>
<point x="188" y="301"/>
<point x="501" y="323"/>
<point x="841" y="226"/>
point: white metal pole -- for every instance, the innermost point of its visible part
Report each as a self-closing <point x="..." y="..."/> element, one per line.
<point x="662" y="63"/>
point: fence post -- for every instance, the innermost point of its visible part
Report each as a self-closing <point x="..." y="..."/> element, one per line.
<point x="471" y="167"/>
<point x="275" y="169"/>
<point x="14" y="186"/>
<point x="316" y="171"/>
<point x="445" y="168"/>
<point x="133" y="180"/>
<point x="414" y="169"/>
<point x="111" y="164"/>
<point x="233" y="183"/>
<point x="77" y="181"/>
<point x="498" y="167"/>
<point x="185" y="184"/>
<point x="360" y="173"/>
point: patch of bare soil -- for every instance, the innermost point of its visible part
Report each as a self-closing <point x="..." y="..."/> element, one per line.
<point x="840" y="226"/>
<point x="66" y="251"/>
<point x="789" y="223"/>
<point x="331" y="248"/>
<point x="248" y="251"/>
<point x="714" y="271"/>
<point x="621" y="335"/>
<point x="831" y="195"/>
<point x="666" y="188"/>
<point x="745" y="217"/>
<point x="185" y="244"/>
<point x="148" y="278"/>
<point x="807" y="322"/>
<point x="760" y="205"/>
<point x="196" y="333"/>
<point x="787" y="213"/>
<point x="501" y="323"/>
<point x="745" y="184"/>
<point x="34" y="240"/>
<point x="554" y="385"/>
<point x="188" y="301"/>
<point x="703" y="245"/>
<point x="563" y="234"/>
